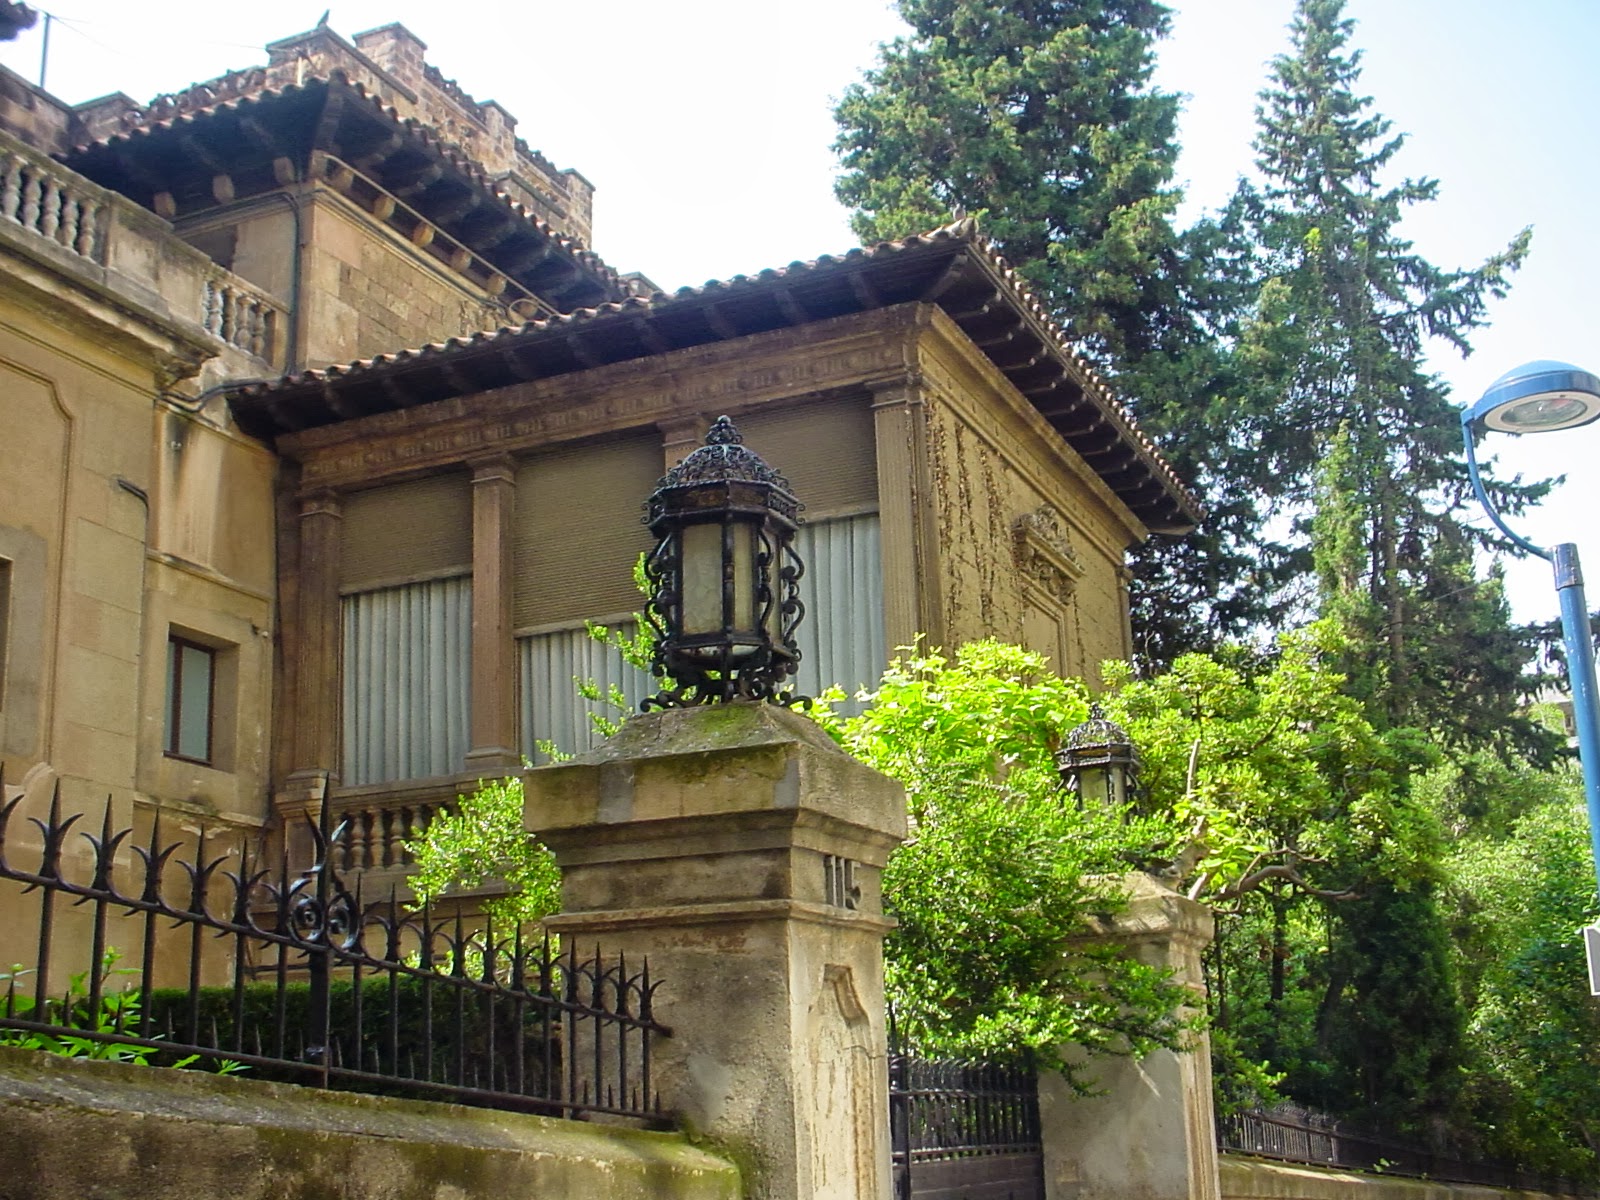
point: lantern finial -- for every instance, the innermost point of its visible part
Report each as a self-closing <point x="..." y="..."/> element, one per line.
<point x="722" y="433"/>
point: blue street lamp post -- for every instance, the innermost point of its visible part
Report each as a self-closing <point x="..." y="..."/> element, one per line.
<point x="1540" y="397"/>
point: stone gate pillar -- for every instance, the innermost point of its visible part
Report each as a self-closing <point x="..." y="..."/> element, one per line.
<point x="1151" y="1133"/>
<point x="741" y="850"/>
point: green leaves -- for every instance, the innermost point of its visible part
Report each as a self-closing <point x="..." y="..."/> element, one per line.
<point x="999" y="886"/>
<point x="481" y="840"/>
<point x="1038" y="119"/>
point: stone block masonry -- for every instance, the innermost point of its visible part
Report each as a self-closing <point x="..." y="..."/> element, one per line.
<point x="714" y="841"/>
<point x="77" y="1130"/>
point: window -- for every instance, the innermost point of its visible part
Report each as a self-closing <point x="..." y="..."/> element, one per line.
<point x="548" y="668"/>
<point x="191" y="692"/>
<point x="407" y="679"/>
<point x="841" y="637"/>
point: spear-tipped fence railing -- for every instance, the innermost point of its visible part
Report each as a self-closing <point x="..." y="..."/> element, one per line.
<point x="1290" y="1133"/>
<point x="963" y="1127"/>
<point x="319" y="987"/>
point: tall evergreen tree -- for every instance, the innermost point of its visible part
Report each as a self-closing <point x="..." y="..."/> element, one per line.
<point x="1350" y="424"/>
<point x="1038" y="117"/>
<point x="1358" y="446"/>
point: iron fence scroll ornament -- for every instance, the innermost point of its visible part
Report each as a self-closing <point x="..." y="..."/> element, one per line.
<point x="319" y="986"/>
<point x="724" y="576"/>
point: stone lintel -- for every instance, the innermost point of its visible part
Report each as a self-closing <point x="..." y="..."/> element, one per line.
<point x="733" y="833"/>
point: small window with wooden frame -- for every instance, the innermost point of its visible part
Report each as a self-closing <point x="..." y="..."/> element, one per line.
<point x="191" y="700"/>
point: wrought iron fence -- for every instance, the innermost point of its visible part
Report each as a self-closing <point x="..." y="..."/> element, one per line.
<point x="971" y="1127"/>
<point x="1293" y="1134"/>
<point x="314" y="985"/>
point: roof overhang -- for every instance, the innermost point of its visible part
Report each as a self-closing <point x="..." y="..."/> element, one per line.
<point x="954" y="268"/>
<point x="259" y="139"/>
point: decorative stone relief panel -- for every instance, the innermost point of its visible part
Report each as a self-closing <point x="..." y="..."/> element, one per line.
<point x="1044" y="552"/>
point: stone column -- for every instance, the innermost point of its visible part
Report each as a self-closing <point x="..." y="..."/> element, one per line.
<point x="1151" y="1133"/>
<point x="741" y="850"/>
<point x="680" y="436"/>
<point x="314" y="660"/>
<point x="912" y="600"/>
<point x="494" y="685"/>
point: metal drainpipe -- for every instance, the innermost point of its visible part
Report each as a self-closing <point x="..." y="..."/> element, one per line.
<point x="143" y="497"/>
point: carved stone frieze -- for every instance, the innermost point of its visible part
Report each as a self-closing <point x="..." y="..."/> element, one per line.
<point x="524" y="417"/>
<point x="1045" y="553"/>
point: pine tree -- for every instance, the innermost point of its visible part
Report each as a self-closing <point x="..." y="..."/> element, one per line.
<point x="1037" y="117"/>
<point x="1358" y="445"/>
<point x="1329" y="353"/>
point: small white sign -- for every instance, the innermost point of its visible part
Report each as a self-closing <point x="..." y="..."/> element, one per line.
<point x="1591" y="947"/>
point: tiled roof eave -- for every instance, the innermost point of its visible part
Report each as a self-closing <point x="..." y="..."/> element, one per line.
<point x="566" y="244"/>
<point x="1171" y="507"/>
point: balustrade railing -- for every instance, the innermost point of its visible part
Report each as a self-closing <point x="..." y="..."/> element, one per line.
<point x="241" y="316"/>
<point x="376" y="833"/>
<point x="108" y="231"/>
<point x="47" y="199"/>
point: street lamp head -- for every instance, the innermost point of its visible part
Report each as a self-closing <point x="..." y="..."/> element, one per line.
<point x="724" y="576"/>
<point x="1099" y="762"/>
<point x="1538" y="397"/>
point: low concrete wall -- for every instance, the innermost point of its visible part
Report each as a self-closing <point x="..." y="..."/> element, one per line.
<point x="1254" y="1179"/>
<point x="106" y="1131"/>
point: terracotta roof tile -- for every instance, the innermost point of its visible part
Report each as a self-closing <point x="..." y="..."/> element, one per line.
<point x="962" y="236"/>
<point x="138" y="124"/>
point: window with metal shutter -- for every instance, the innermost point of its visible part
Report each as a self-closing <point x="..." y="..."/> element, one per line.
<point x="405" y="532"/>
<point x="579" y="529"/>
<point x="825" y="448"/>
<point x="407" y="681"/>
<point x="841" y="638"/>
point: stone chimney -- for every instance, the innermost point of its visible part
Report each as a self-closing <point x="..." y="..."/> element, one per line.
<point x="397" y="50"/>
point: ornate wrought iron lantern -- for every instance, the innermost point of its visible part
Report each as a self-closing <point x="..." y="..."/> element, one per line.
<point x="724" y="576"/>
<point x="1099" y="762"/>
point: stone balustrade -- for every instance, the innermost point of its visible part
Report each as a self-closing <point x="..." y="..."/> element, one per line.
<point x="46" y="198"/>
<point x="378" y="833"/>
<point x="242" y="316"/>
<point x="110" y="247"/>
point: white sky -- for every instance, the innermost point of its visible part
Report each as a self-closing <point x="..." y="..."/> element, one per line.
<point x="706" y="127"/>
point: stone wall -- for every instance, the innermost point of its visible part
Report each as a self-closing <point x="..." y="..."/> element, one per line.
<point x="77" y="1129"/>
<point x="32" y="114"/>
<point x="1032" y="542"/>
<point x="1255" y="1179"/>
<point x="366" y="292"/>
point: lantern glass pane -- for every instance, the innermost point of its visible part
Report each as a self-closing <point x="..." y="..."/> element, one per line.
<point x="1116" y="786"/>
<point x="745" y="617"/>
<point x="702" y="579"/>
<point x="1094" y="784"/>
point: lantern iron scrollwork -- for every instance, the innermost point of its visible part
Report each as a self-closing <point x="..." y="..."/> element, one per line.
<point x="724" y="576"/>
<point x="1099" y="762"/>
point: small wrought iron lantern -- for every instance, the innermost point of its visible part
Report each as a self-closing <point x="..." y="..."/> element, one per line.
<point x="1099" y="762"/>
<point x="724" y="576"/>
